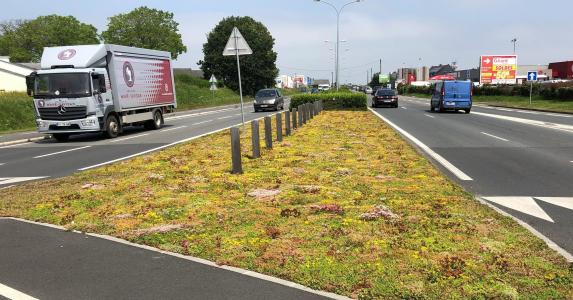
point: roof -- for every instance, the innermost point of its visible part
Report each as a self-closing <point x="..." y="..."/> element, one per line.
<point x="441" y="69"/>
<point x="17" y="69"/>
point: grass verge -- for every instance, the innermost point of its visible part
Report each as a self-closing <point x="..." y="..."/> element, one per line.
<point x="350" y="208"/>
<point x="16" y="112"/>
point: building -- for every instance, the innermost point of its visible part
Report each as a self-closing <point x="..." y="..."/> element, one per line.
<point x="562" y="70"/>
<point x="441" y="70"/>
<point x="469" y="74"/>
<point x="544" y="73"/>
<point x="13" y="75"/>
<point x="423" y="74"/>
<point x="317" y="82"/>
<point x="406" y="74"/>
<point x="284" y="82"/>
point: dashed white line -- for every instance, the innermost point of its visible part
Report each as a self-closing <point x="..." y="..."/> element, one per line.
<point x="174" y="128"/>
<point x="441" y="160"/>
<point x="226" y="117"/>
<point x="10" y="293"/>
<point x="1" y="164"/>
<point x="494" y="136"/>
<point x="60" y="152"/>
<point x="129" y="138"/>
<point x="429" y="116"/>
<point x="403" y="107"/>
<point x="198" y="114"/>
<point x="562" y="127"/>
<point x="199" y="123"/>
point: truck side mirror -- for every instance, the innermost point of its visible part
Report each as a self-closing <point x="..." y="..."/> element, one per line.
<point x="30" y="80"/>
<point x="101" y="79"/>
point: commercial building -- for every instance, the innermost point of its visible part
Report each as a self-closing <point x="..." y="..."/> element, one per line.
<point x="562" y="70"/>
<point x="13" y="75"/>
<point x="543" y="72"/>
<point x="469" y="74"/>
<point x="441" y="70"/>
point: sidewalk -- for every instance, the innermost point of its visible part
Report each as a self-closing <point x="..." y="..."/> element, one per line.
<point x="20" y="137"/>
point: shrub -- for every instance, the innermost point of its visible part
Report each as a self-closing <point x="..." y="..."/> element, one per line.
<point x="333" y="101"/>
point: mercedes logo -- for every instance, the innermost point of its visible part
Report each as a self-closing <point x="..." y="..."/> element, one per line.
<point x="61" y="109"/>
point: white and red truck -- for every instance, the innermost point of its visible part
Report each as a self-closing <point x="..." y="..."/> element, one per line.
<point x="101" y="88"/>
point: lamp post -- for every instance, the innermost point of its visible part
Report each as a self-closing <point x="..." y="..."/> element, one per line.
<point x="514" y="41"/>
<point x="338" y="12"/>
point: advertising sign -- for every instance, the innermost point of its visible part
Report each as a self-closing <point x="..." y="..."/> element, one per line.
<point x="498" y="69"/>
<point x="383" y="78"/>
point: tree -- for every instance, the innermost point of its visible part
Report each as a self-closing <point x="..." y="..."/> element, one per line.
<point x="24" y="41"/>
<point x="146" y="28"/>
<point x="258" y="70"/>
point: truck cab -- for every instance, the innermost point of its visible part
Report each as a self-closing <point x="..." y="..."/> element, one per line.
<point x="100" y="88"/>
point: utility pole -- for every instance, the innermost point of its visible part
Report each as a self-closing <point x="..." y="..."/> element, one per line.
<point x="514" y="41"/>
<point x="380" y="66"/>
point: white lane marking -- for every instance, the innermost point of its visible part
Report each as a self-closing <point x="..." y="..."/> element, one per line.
<point x="555" y="126"/>
<point x="11" y="180"/>
<point x="199" y="123"/>
<point x="193" y="259"/>
<point x="526" y="111"/>
<point x="226" y="117"/>
<point x="199" y="114"/>
<point x="15" y="145"/>
<point x="10" y="293"/>
<point x="449" y="166"/>
<point x="174" y="128"/>
<point x="165" y="146"/>
<point x="403" y="107"/>
<point x="1" y="164"/>
<point x="238" y="115"/>
<point x="558" y="201"/>
<point x="129" y="138"/>
<point x="429" y="116"/>
<point x="495" y="137"/>
<point x="60" y="152"/>
<point x="526" y="205"/>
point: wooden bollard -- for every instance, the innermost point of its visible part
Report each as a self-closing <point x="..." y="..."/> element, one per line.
<point x="236" y="150"/>
<point x="300" y="115"/>
<point x="304" y="113"/>
<point x="287" y="123"/>
<point x="294" y="119"/>
<point x="279" y="127"/>
<point x="256" y="139"/>
<point x="311" y="106"/>
<point x="268" y="133"/>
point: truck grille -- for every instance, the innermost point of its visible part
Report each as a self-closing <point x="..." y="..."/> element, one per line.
<point x="71" y="113"/>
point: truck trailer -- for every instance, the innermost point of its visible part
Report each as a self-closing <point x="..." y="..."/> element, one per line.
<point x="101" y="88"/>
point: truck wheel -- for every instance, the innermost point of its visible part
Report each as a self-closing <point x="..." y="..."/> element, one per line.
<point x="432" y="109"/>
<point x="112" y="127"/>
<point x="468" y="111"/>
<point x="61" y="137"/>
<point x="441" y="107"/>
<point x="157" y="121"/>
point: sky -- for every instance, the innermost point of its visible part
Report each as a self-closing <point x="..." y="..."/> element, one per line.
<point x="409" y="33"/>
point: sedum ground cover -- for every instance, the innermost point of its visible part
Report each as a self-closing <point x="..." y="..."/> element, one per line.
<point x="344" y="205"/>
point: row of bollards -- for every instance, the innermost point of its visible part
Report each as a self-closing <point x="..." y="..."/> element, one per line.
<point x="297" y="118"/>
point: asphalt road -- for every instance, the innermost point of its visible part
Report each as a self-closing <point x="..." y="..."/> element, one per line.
<point x="46" y="263"/>
<point x="50" y="159"/>
<point x="519" y="161"/>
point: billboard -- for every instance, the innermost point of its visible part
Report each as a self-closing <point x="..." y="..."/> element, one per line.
<point x="383" y="78"/>
<point x="498" y="69"/>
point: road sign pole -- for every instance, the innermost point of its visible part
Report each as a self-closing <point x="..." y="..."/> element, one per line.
<point x="531" y="93"/>
<point x="240" y="85"/>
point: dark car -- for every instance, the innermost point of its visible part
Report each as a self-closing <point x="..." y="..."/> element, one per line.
<point x="384" y="97"/>
<point x="269" y="99"/>
<point x="375" y="89"/>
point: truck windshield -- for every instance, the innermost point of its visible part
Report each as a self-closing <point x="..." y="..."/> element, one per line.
<point x="62" y="85"/>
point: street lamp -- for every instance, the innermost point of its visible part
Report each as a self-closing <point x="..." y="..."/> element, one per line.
<point x="514" y="41"/>
<point x="338" y="12"/>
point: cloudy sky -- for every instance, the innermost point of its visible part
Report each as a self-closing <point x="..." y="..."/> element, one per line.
<point x="401" y="32"/>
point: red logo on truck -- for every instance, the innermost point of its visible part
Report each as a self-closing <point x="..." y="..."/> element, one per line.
<point x="128" y="74"/>
<point x="67" y="54"/>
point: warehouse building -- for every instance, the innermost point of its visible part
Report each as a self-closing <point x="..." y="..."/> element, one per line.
<point x="13" y="75"/>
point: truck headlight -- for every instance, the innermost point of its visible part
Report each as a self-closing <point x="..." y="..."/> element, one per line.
<point x="89" y="122"/>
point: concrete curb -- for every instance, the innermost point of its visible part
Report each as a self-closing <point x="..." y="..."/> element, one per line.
<point x="10" y="143"/>
<point x="196" y="260"/>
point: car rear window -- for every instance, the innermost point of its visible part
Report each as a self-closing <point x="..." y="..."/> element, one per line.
<point x="266" y="93"/>
<point x="386" y="93"/>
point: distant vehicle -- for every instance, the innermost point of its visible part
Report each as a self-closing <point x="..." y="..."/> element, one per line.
<point x="453" y="96"/>
<point x="384" y="97"/>
<point x="367" y="90"/>
<point x="323" y="87"/>
<point x="314" y="91"/>
<point x="269" y="99"/>
<point x="101" y="88"/>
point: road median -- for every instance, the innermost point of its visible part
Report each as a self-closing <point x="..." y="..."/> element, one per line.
<point x="343" y="205"/>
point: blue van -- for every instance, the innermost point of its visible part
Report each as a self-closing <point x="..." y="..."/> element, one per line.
<point x="452" y="95"/>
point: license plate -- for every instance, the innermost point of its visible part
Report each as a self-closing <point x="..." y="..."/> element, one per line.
<point x="387" y="100"/>
<point x="451" y="103"/>
<point x="63" y="124"/>
<point x="264" y="105"/>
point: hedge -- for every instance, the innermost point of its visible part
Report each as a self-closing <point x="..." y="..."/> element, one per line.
<point x="333" y="101"/>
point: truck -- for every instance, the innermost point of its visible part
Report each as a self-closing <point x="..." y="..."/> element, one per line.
<point x="101" y="88"/>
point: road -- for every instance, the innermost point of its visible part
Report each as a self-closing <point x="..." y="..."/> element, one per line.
<point x="519" y="161"/>
<point x="50" y="159"/>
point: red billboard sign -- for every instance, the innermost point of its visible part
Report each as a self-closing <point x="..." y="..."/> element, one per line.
<point x="498" y="69"/>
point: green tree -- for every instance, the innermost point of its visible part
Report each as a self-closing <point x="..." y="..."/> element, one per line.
<point x="24" y="41"/>
<point x="146" y="28"/>
<point x="258" y="70"/>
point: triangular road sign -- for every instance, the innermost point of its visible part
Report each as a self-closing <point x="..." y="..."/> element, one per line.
<point x="213" y="79"/>
<point x="237" y="43"/>
<point x="526" y="205"/>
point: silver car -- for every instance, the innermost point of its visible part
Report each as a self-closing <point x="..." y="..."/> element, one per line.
<point x="269" y="99"/>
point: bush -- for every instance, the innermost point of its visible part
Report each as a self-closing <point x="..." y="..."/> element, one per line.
<point x="333" y="101"/>
<point x="16" y="112"/>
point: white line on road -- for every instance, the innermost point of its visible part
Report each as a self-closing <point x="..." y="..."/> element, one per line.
<point x="1" y="164"/>
<point x="174" y="128"/>
<point x="495" y="137"/>
<point x="11" y="180"/>
<point x="10" y="293"/>
<point x="429" y="116"/>
<point x="129" y="138"/>
<point x="226" y="117"/>
<point x="198" y="114"/>
<point x="457" y="172"/>
<point x="403" y="107"/>
<point x="60" y="152"/>
<point x="562" y="127"/>
<point x="199" y="123"/>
